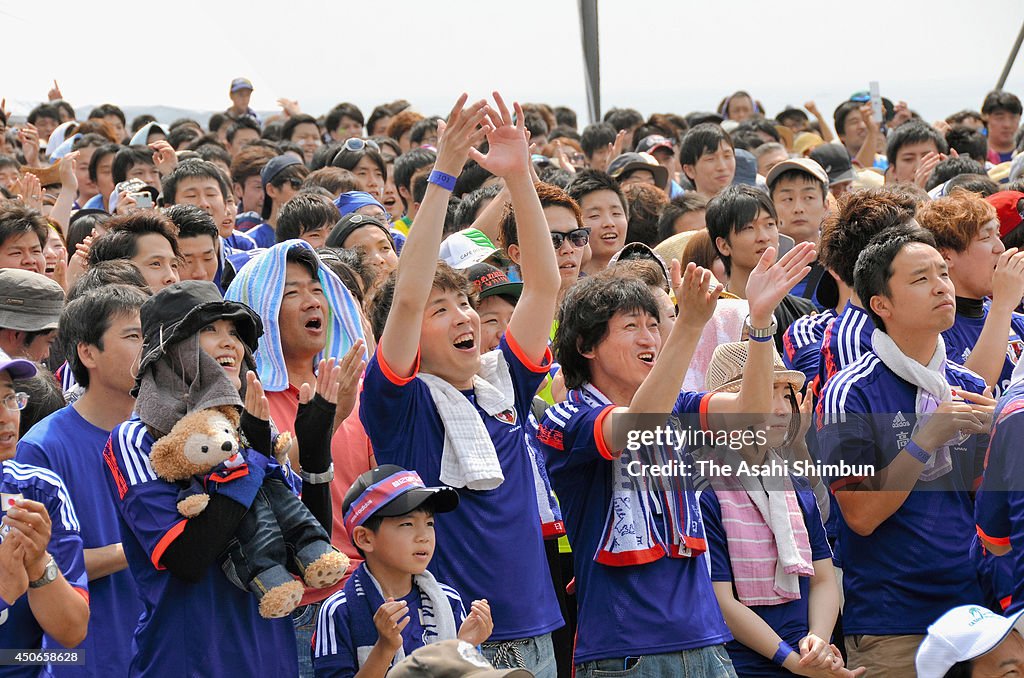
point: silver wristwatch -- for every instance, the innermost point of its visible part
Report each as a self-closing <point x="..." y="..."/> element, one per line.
<point x="50" y="573"/>
<point x="318" y="478"/>
<point x="763" y="333"/>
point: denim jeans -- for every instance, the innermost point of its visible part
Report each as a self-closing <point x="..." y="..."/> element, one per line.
<point x="536" y="654"/>
<point x="304" y="621"/>
<point x="704" y="662"/>
<point x="278" y="537"/>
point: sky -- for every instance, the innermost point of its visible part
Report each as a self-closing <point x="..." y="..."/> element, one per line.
<point x="656" y="55"/>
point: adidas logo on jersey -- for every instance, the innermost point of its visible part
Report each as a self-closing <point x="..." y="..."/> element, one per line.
<point x="899" y="421"/>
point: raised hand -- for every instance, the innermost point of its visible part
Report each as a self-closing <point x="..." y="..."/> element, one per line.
<point x="54" y="94"/>
<point x="901" y="114"/>
<point x="390" y="619"/>
<point x="1008" y="280"/>
<point x="478" y="625"/>
<point x="464" y="129"/>
<point x="771" y="281"/>
<point x="926" y="166"/>
<point x="28" y="137"/>
<point x="694" y="295"/>
<point x="326" y="383"/>
<point x="618" y="144"/>
<point x="350" y="369"/>
<point x="30" y="190"/>
<point x="289" y="106"/>
<point x="256" y="403"/>
<point x="68" y="177"/>
<point x="563" y="159"/>
<point x="508" y="150"/>
<point x="164" y="157"/>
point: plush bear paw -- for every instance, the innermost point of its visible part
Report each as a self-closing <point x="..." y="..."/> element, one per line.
<point x="327" y="570"/>
<point x="282" y="446"/>
<point x="191" y="507"/>
<point x="281" y="600"/>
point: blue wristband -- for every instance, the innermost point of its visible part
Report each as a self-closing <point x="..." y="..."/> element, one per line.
<point x="761" y="339"/>
<point x="915" y="451"/>
<point x="782" y="653"/>
<point x="439" y="178"/>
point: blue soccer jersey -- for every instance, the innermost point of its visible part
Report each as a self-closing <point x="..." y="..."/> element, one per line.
<point x="802" y="342"/>
<point x="665" y="605"/>
<point x="999" y="505"/>
<point x="846" y="338"/>
<point x="962" y="337"/>
<point x="345" y="632"/>
<point x="487" y="548"/>
<point x="917" y="562"/>
<point x="18" y="627"/>
<point x="72" y="448"/>
<point x="789" y="620"/>
<point x="209" y="628"/>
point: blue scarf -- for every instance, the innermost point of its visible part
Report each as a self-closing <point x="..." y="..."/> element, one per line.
<point x="363" y="598"/>
<point x="648" y="517"/>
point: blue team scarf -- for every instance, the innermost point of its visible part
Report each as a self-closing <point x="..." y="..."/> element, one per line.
<point x="260" y="285"/>
<point x="363" y="598"/>
<point x="648" y="518"/>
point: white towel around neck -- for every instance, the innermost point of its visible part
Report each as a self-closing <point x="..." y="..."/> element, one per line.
<point x="469" y="459"/>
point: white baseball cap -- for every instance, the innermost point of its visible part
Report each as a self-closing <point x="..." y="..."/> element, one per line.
<point x="965" y="632"/>
<point x="465" y="248"/>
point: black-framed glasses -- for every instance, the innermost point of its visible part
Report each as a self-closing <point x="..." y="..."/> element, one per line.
<point x="579" y="238"/>
<point x="355" y="144"/>
<point x="15" y="401"/>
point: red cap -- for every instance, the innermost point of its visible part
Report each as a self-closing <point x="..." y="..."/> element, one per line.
<point x="1006" y="203"/>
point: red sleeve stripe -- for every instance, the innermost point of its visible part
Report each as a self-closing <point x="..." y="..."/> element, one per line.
<point x="81" y="592"/>
<point x="998" y="541"/>
<point x="390" y="374"/>
<point x="844" y="482"/>
<point x="166" y="541"/>
<point x="517" y="350"/>
<point x="602" y="445"/>
<point x="705" y="402"/>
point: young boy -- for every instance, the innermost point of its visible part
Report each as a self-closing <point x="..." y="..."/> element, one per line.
<point x="743" y="224"/>
<point x="437" y="402"/>
<point x="392" y="604"/>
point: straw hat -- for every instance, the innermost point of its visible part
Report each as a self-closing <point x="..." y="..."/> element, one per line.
<point x="725" y="373"/>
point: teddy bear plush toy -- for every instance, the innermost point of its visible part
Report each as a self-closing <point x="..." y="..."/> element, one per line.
<point x="283" y="538"/>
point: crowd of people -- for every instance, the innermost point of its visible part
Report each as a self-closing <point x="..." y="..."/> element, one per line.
<point x="704" y="395"/>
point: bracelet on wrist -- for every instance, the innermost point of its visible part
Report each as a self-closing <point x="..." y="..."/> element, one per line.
<point x="782" y="653"/>
<point x="917" y="452"/>
<point x="442" y="179"/>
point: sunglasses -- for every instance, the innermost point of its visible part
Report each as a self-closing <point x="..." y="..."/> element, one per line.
<point x="355" y="144"/>
<point x="579" y="238"/>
